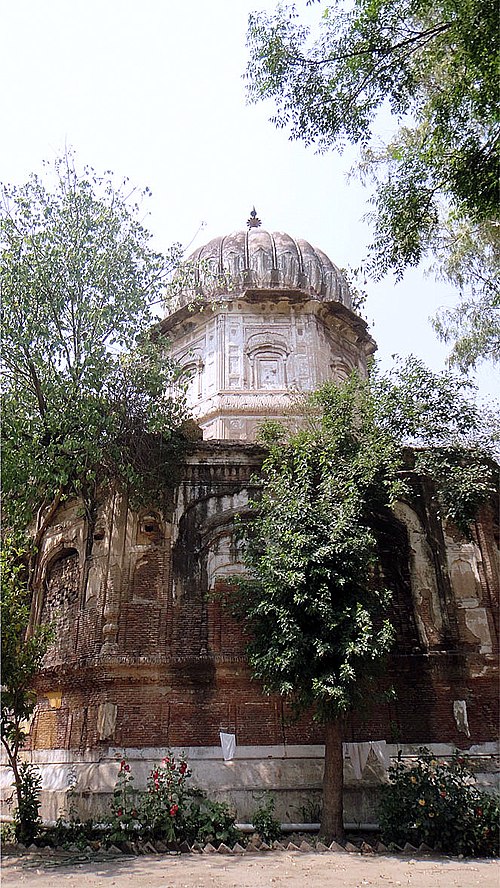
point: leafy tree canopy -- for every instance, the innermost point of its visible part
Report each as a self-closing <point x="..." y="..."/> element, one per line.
<point x="434" y="67"/>
<point x="315" y="600"/>
<point x="85" y="388"/>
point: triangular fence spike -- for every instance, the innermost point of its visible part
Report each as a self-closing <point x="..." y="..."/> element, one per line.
<point x="334" y="846"/>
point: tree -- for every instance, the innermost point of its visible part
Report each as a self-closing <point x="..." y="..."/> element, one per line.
<point x="433" y="65"/>
<point x="469" y="259"/>
<point x="86" y="393"/>
<point x="21" y="659"/>
<point x="315" y="600"/>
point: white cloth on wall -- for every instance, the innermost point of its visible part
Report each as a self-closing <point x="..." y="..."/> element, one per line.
<point x="379" y="747"/>
<point x="359" y="752"/>
<point x="228" y="743"/>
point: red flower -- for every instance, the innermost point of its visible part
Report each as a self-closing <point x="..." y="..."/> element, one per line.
<point x="173" y="810"/>
<point x="183" y="768"/>
<point x="119" y="812"/>
<point x="126" y="767"/>
<point x="443" y="795"/>
<point x="479" y="812"/>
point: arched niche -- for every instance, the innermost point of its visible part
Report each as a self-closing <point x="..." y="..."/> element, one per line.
<point x="61" y="585"/>
<point x="191" y="376"/>
<point x="267" y="355"/>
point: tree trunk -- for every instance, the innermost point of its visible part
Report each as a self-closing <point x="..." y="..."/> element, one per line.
<point x="332" y="818"/>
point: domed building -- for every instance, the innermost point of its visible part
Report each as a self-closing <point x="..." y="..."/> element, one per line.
<point x="267" y="317"/>
<point x="145" y="658"/>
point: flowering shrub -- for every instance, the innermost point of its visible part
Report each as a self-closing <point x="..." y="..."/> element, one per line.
<point x="124" y="820"/>
<point x="169" y="810"/>
<point x="439" y="804"/>
<point x="162" y="809"/>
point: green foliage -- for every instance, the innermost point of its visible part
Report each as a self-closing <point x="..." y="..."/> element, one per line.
<point x="169" y="810"/>
<point x="26" y="816"/>
<point x="314" y="600"/>
<point x="264" y="821"/>
<point x="437" y="803"/>
<point x="22" y="656"/>
<point x="434" y="67"/>
<point x="124" y="817"/>
<point x="469" y="258"/>
<point x="163" y="806"/>
<point x="86" y="387"/>
<point x="7" y="833"/>
<point x="209" y="821"/>
<point x="73" y="831"/>
<point x="316" y="612"/>
<point x="454" y="441"/>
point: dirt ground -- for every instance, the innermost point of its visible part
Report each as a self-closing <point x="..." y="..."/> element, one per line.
<point x="272" y="870"/>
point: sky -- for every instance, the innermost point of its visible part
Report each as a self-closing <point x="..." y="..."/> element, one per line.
<point x="155" y="90"/>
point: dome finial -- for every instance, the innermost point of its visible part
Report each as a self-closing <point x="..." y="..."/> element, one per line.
<point x="254" y="221"/>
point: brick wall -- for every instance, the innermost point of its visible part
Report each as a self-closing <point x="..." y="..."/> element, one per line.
<point x="175" y="665"/>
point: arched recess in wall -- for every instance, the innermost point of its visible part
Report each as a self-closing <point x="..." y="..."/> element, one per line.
<point x="191" y="377"/>
<point x="221" y="553"/>
<point x="147" y="572"/>
<point x="340" y="369"/>
<point x="61" y="585"/>
<point x="61" y="600"/>
<point x="267" y="356"/>
<point x="424" y="584"/>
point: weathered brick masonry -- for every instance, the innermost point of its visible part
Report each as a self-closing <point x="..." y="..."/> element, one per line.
<point x="145" y="658"/>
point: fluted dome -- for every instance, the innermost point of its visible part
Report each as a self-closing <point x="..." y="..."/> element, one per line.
<point x="263" y="260"/>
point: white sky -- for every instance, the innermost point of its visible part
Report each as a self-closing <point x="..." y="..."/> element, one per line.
<point x="154" y="90"/>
